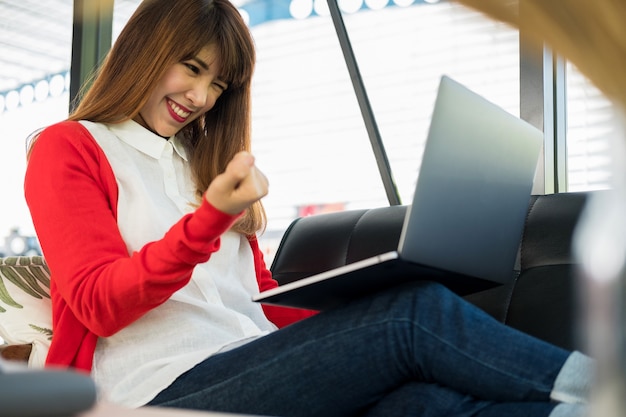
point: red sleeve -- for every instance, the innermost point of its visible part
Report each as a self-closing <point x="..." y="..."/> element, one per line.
<point x="280" y="316"/>
<point x="72" y="195"/>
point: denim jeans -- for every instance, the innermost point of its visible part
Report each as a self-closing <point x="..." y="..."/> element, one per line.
<point x="415" y="350"/>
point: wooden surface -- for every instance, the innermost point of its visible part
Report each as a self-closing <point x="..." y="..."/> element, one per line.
<point x="108" y="410"/>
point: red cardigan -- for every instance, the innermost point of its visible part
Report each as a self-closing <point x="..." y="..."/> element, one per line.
<point x="97" y="288"/>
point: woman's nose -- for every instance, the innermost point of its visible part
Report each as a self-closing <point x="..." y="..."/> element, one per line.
<point x="198" y="95"/>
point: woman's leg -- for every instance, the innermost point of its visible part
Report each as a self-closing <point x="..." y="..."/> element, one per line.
<point x="430" y="400"/>
<point x="341" y="362"/>
<point x="419" y="399"/>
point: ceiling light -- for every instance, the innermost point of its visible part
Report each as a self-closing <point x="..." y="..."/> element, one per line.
<point x="12" y="100"/>
<point x="300" y="9"/>
<point x="41" y="90"/>
<point x="27" y="95"/>
<point x="321" y="7"/>
<point x="376" y="4"/>
<point x="57" y="85"/>
<point x="350" y="6"/>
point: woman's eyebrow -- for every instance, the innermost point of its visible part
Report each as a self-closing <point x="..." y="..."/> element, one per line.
<point x="205" y="66"/>
<point x="201" y="63"/>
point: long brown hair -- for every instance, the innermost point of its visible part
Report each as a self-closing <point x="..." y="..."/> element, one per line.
<point x="160" y="34"/>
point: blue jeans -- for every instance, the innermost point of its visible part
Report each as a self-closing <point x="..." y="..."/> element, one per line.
<point x="415" y="350"/>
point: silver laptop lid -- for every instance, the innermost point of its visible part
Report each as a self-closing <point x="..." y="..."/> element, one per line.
<point x="473" y="188"/>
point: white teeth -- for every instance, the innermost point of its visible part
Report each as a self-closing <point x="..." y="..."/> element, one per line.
<point x="178" y="110"/>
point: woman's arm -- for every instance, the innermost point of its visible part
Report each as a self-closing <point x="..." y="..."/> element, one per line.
<point x="72" y="195"/>
<point x="280" y="316"/>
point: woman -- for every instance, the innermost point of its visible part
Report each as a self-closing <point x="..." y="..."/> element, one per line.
<point x="146" y="204"/>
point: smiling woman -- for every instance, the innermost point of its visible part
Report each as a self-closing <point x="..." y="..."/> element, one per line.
<point x="229" y="58"/>
<point x="149" y="192"/>
<point x="154" y="259"/>
<point x="186" y="92"/>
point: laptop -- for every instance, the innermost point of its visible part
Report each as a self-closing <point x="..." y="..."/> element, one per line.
<point x="466" y="219"/>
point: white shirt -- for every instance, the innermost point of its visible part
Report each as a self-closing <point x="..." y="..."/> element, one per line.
<point x="211" y="313"/>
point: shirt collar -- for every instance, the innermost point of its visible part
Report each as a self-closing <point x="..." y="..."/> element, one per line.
<point x="142" y="139"/>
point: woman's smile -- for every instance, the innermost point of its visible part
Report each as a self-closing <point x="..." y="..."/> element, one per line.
<point x="178" y="112"/>
<point x="186" y="91"/>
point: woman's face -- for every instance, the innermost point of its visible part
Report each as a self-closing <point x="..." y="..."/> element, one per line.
<point x="187" y="91"/>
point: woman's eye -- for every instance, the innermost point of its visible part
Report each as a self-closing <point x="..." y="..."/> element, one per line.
<point x="193" y="68"/>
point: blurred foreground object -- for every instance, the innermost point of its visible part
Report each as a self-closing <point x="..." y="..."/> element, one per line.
<point x="25" y="392"/>
<point x="590" y="34"/>
<point x="600" y="247"/>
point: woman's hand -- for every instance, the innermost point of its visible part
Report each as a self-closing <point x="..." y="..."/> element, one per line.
<point x="240" y="185"/>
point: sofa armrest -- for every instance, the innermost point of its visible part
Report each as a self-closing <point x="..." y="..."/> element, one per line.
<point x="326" y="241"/>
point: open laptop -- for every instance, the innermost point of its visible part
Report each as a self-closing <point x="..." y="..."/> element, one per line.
<point x="464" y="225"/>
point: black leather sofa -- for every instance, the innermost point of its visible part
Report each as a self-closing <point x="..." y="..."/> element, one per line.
<point x="540" y="299"/>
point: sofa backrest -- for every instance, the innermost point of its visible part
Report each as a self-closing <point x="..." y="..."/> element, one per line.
<point x="540" y="298"/>
<point x="322" y="242"/>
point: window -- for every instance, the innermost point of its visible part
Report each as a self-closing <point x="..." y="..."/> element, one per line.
<point x="589" y="128"/>
<point x="309" y="135"/>
<point x="308" y="132"/>
<point x="34" y="84"/>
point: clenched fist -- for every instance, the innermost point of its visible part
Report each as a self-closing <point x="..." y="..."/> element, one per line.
<point x="240" y="185"/>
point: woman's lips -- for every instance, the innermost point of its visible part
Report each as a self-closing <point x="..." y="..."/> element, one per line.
<point x="178" y="112"/>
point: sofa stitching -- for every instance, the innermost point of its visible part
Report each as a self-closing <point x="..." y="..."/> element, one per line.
<point x="351" y="237"/>
<point x="507" y="304"/>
